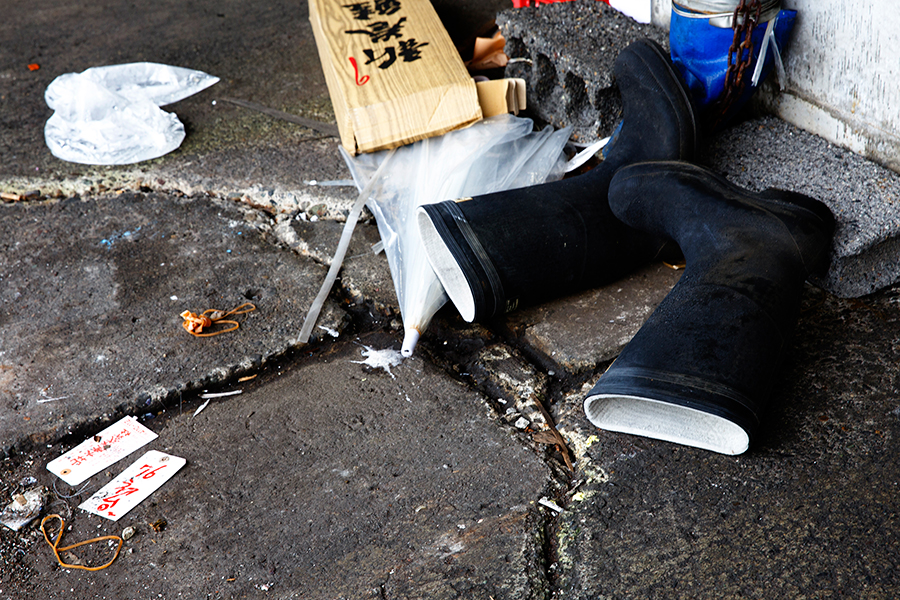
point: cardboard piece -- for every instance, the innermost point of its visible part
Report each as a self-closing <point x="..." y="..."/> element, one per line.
<point x="501" y="96"/>
<point x="393" y="73"/>
<point x="488" y="53"/>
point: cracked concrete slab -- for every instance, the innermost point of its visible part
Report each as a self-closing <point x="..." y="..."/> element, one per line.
<point x="809" y="511"/>
<point x="331" y="479"/>
<point x="516" y="385"/>
<point x="365" y="275"/>
<point x="91" y="295"/>
<point x="581" y="332"/>
<point x="229" y="150"/>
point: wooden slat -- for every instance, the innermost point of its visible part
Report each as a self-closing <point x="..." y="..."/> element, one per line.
<point x="424" y="90"/>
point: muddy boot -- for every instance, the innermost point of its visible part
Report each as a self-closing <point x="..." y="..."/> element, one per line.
<point x="496" y="251"/>
<point x="700" y="370"/>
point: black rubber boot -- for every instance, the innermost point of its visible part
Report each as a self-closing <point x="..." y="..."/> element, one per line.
<point x="494" y="251"/>
<point x="700" y="370"/>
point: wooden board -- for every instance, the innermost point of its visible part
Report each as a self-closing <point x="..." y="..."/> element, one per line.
<point x="392" y="71"/>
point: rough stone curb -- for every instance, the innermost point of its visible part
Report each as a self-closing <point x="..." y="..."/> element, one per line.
<point x="565" y="52"/>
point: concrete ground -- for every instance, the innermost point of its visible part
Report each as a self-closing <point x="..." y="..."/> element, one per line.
<point x="334" y="475"/>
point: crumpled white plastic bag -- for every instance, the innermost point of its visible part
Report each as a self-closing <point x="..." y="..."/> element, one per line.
<point x="500" y="153"/>
<point x="111" y="116"/>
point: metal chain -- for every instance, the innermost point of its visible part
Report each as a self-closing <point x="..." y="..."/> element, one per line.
<point x="740" y="55"/>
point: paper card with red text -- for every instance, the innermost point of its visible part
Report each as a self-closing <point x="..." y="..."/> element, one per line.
<point x="100" y="451"/>
<point x="142" y="478"/>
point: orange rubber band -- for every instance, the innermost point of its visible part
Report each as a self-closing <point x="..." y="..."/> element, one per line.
<point x="194" y="324"/>
<point x="56" y="549"/>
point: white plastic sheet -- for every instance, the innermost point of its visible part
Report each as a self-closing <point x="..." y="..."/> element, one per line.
<point x="111" y="116"/>
<point x="495" y="154"/>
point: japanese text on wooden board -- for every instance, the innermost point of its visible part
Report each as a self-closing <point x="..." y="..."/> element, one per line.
<point x="382" y="30"/>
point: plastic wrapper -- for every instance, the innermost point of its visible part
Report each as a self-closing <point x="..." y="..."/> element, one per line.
<point x="111" y="116"/>
<point x="495" y="154"/>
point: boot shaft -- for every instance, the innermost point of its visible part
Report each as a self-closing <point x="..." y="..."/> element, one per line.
<point x="659" y="121"/>
<point x="494" y="251"/>
<point x="701" y="369"/>
<point x="730" y="236"/>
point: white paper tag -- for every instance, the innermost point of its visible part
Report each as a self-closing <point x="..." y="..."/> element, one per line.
<point x="142" y="478"/>
<point x="95" y="454"/>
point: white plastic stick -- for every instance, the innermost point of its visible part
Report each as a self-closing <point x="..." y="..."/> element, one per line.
<point x="761" y="60"/>
<point x="339" y="254"/>
<point x="585" y="155"/>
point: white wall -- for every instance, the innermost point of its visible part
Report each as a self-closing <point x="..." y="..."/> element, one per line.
<point x="843" y="71"/>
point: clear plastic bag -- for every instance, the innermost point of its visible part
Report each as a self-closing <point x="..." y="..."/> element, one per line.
<point x="111" y="116"/>
<point x="495" y="154"/>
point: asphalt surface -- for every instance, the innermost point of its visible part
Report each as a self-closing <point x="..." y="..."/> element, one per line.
<point x="339" y="471"/>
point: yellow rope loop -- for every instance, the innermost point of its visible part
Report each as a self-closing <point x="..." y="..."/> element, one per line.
<point x="54" y="545"/>
<point x="194" y="324"/>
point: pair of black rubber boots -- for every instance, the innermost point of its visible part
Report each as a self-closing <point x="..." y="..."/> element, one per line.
<point x="700" y="370"/>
